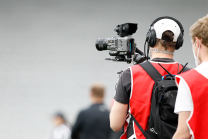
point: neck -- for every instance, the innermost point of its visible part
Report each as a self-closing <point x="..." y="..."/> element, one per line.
<point x="159" y="52"/>
<point x="161" y="55"/>
<point x="203" y="54"/>
<point x="97" y="100"/>
<point x="205" y="59"/>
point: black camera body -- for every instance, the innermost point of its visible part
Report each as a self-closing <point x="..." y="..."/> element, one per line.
<point x="122" y="46"/>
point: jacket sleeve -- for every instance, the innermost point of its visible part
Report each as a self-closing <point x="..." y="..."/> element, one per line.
<point x="123" y="89"/>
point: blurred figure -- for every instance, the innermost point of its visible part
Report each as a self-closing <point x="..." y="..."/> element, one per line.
<point x="93" y="123"/>
<point x="62" y="129"/>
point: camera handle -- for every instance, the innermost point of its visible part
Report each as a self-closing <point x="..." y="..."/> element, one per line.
<point x="138" y="57"/>
<point x="121" y="58"/>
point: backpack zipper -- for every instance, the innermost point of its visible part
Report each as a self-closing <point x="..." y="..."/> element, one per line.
<point x="153" y="130"/>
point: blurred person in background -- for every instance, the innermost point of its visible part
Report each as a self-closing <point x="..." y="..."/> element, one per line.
<point x="62" y="129"/>
<point x="93" y="122"/>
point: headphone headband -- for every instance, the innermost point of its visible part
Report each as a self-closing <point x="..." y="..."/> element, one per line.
<point x="168" y="17"/>
<point x="151" y="34"/>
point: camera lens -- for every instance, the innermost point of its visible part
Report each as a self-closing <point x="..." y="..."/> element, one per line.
<point x="101" y="44"/>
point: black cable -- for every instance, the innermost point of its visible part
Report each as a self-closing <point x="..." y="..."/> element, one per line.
<point x="145" y="50"/>
<point x="148" y="52"/>
<point x="137" y="50"/>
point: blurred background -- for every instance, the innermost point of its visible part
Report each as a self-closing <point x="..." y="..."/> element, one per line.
<point x="48" y="57"/>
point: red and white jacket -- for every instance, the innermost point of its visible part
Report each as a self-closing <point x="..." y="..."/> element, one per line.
<point x="198" y="85"/>
<point x="140" y="98"/>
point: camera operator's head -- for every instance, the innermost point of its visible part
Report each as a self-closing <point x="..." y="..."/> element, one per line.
<point x="97" y="93"/>
<point x="164" y="37"/>
<point x="199" y="35"/>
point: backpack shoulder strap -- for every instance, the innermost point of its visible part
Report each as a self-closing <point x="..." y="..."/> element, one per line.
<point x="151" y="71"/>
<point x="141" y="129"/>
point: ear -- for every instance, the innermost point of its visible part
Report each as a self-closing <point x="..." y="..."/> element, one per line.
<point x="197" y="42"/>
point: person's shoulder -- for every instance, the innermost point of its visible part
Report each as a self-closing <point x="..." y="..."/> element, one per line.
<point x="135" y="68"/>
<point x="61" y="127"/>
<point x="186" y="76"/>
<point x="184" y="67"/>
<point x="103" y="108"/>
<point x="87" y="109"/>
<point x="186" y="72"/>
<point x="126" y="72"/>
<point x="129" y="69"/>
<point x="64" y="127"/>
<point x="202" y="69"/>
<point x="83" y="111"/>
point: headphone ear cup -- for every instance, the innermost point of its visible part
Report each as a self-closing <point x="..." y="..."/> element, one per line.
<point x="179" y="42"/>
<point x="151" y="38"/>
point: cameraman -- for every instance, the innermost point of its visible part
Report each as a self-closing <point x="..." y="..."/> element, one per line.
<point x="134" y="89"/>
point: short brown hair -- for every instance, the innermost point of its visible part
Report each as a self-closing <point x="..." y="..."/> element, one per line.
<point x="167" y="39"/>
<point x="98" y="90"/>
<point x="200" y="30"/>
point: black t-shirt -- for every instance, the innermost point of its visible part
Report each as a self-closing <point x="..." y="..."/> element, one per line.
<point x="92" y="123"/>
<point x="123" y="89"/>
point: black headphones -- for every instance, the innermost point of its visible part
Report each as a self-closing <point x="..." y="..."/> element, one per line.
<point x="151" y="34"/>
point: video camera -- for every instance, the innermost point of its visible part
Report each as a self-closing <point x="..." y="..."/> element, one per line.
<point x="122" y="46"/>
